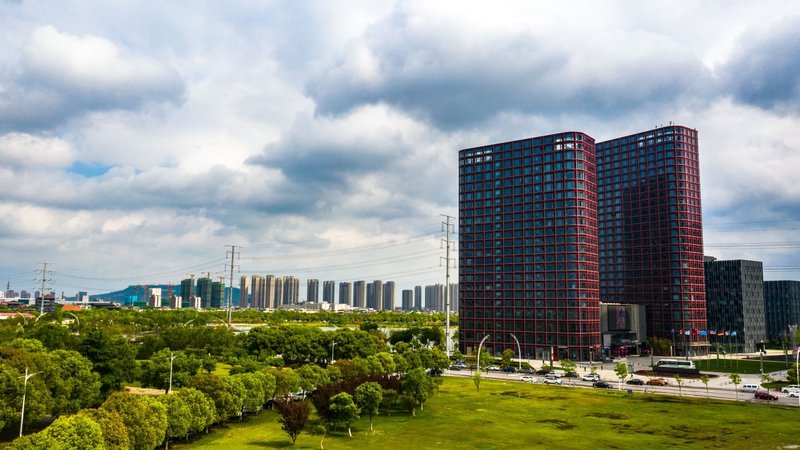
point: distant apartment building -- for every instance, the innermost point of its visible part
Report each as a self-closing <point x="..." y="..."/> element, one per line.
<point x="389" y="295"/>
<point x="346" y="293"/>
<point x="735" y="301"/>
<point x="187" y="293"/>
<point x="217" y="294"/>
<point x="329" y="291"/>
<point x="154" y="297"/>
<point x="312" y="290"/>
<point x="407" y="300"/>
<point x="782" y="299"/>
<point x="204" y="291"/>
<point x="244" y="292"/>
<point x="418" y="300"/>
<point x="291" y="290"/>
<point x="434" y="297"/>
<point x="375" y="295"/>
<point x="360" y="294"/>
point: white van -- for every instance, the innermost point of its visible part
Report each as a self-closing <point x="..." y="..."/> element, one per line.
<point x="749" y="388"/>
<point x="791" y="389"/>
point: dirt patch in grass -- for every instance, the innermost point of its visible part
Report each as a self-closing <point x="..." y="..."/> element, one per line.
<point x="513" y="394"/>
<point x="609" y="415"/>
<point x="558" y="423"/>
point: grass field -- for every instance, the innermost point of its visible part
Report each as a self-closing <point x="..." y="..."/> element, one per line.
<point x="518" y="415"/>
<point x="739" y="366"/>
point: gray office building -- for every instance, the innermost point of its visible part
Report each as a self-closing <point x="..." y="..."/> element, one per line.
<point x="346" y="293"/>
<point x="735" y="302"/>
<point x="782" y="300"/>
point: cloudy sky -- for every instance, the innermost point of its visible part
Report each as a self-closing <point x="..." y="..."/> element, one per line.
<point x="138" y="139"/>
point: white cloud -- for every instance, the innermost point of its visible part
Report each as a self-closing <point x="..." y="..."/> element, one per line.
<point x="21" y="150"/>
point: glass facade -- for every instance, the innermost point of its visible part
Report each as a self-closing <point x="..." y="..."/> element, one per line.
<point x="528" y="247"/>
<point x="650" y="228"/>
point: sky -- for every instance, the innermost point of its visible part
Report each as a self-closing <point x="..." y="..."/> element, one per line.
<point x="139" y="139"/>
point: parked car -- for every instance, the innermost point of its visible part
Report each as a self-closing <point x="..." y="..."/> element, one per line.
<point x="657" y="382"/>
<point x="542" y="372"/>
<point x="509" y="369"/>
<point x="635" y="381"/>
<point x="455" y="367"/>
<point x="792" y="388"/>
<point x="553" y="380"/>
<point x="526" y="370"/>
<point x="434" y="372"/>
<point x="749" y="388"/>
<point x="571" y="374"/>
<point x="528" y="378"/>
<point x="602" y="385"/>
<point x="591" y="377"/>
<point x="494" y="368"/>
<point x="794" y="394"/>
<point x="763" y="395"/>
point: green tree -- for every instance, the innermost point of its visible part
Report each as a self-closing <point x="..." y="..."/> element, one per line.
<point x="54" y="336"/>
<point x="217" y="391"/>
<point x="268" y="382"/>
<point x="621" y="369"/>
<point x="11" y="398"/>
<point x="389" y="399"/>
<point x="202" y="412"/>
<point x="311" y="376"/>
<point x="439" y="359"/>
<point x="155" y="372"/>
<point x="179" y="418"/>
<point x="112" y="357"/>
<point x="476" y="378"/>
<point x="293" y="416"/>
<point x="568" y="365"/>
<point x="368" y="397"/>
<point x="408" y="402"/>
<point x="343" y="410"/>
<point x="679" y="380"/>
<point x="254" y="395"/>
<point x="766" y="380"/>
<point x="115" y="435"/>
<point x="735" y="379"/>
<point x="419" y="385"/>
<point x="77" y="386"/>
<point x="66" y="433"/>
<point x="506" y="357"/>
<point x="143" y="416"/>
<point x="704" y="379"/>
<point x="485" y="359"/>
<point x="238" y="392"/>
<point x="791" y="374"/>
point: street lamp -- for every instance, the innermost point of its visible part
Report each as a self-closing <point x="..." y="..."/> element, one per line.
<point x="24" y="393"/>
<point x="519" y="349"/>
<point x="172" y="357"/>
<point x="333" y="346"/>
<point x="479" y="352"/>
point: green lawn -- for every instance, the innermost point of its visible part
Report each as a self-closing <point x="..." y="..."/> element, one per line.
<point x="739" y="366"/>
<point x="518" y="415"/>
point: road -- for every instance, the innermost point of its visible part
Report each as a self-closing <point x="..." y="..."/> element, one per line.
<point x="719" y="387"/>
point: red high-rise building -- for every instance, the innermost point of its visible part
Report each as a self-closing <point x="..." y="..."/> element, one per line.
<point x="650" y="230"/>
<point x="528" y="247"/>
<point x="542" y="220"/>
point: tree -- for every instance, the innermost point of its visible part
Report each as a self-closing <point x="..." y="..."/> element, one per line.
<point x="66" y="433"/>
<point x="343" y="410"/>
<point x="254" y="394"/>
<point x="679" y="380"/>
<point x="439" y="359"/>
<point x="77" y="387"/>
<point x="419" y="385"/>
<point x="766" y="380"/>
<point x="156" y="371"/>
<point x="268" y="381"/>
<point x="179" y="418"/>
<point x="735" y="379"/>
<point x="477" y="380"/>
<point x="704" y="379"/>
<point x="115" y="435"/>
<point x="568" y="365"/>
<point x="368" y="397"/>
<point x="238" y="392"/>
<point x="112" y="357"/>
<point x="311" y="376"/>
<point x="408" y="402"/>
<point x="11" y="398"/>
<point x="507" y="356"/>
<point x="143" y="416"/>
<point x="389" y="399"/>
<point x="621" y="369"/>
<point x="294" y="416"/>
<point x="791" y="374"/>
<point x="217" y="391"/>
<point x="320" y="430"/>
<point x="202" y="412"/>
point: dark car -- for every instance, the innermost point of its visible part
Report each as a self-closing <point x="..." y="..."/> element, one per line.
<point x="635" y="381"/>
<point x="542" y="372"/>
<point x="455" y="367"/>
<point x="509" y="369"/>
<point x="761" y="395"/>
<point x="602" y="385"/>
<point x="434" y="372"/>
<point x="571" y="374"/>
<point x="657" y="382"/>
<point x="526" y="370"/>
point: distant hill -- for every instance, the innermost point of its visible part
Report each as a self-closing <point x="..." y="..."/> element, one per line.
<point x="128" y="295"/>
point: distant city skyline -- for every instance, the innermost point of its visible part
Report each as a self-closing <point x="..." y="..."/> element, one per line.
<point x="129" y="157"/>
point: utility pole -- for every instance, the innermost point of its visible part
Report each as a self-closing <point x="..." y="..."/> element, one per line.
<point x="234" y="256"/>
<point x="43" y="272"/>
<point x="447" y="227"/>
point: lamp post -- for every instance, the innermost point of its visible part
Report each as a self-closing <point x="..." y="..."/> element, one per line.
<point x="333" y="346"/>
<point x="519" y="349"/>
<point x="172" y="357"/>
<point x="478" y="365"/>
<point x="24" y="394"/>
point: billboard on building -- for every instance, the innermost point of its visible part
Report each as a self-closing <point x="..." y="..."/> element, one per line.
<point x="619" y="318"/>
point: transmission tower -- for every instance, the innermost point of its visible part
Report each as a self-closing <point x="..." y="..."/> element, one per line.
<point x="234" y="257"/>
<point x="46" y="278"/>
<point x="447" y="228"/>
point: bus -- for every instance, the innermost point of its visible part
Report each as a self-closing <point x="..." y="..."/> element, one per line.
<point x="674" y="365"/>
